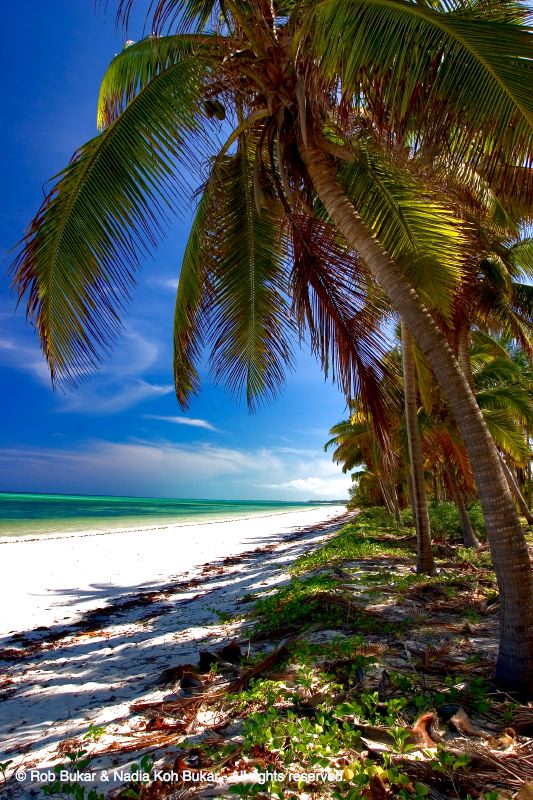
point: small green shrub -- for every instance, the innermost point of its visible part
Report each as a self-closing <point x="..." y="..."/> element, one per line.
<point x="445" y="521"/>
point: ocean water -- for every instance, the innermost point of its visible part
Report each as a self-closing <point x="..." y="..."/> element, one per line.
<point x="41" y="514"/>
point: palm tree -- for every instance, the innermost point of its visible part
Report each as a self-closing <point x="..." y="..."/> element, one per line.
<point x="356" y="446"/>
<point x="424" y="552"/>
<point x="304" y="86"/>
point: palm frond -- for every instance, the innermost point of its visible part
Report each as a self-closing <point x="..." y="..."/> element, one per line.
<point x="329" y="301"/>
<point x="77" y="262"/>
<point x="456" y="78"/>
<point x="420" y="234"/>
<point x="164" y="14"/>
<point x="508" y="397"/>
<point x="523" y="300"/>
<point x="132" y="69"/>
<point x="190" y="311"/>
<point x="508" y="435"/>
<point x="499" y="369"/>
<point x="250" y="320"/>
<point x="521" y="257"/>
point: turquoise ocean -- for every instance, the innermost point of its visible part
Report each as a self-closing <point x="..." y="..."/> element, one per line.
<point x="41" y="514"/>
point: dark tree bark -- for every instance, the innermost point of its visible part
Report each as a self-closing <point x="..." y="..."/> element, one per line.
<point x="469" y="537"/>
<point x="419" y="503"/>
<point x="515" y="489"/>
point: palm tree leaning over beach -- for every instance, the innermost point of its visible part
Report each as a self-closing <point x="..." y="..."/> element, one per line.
<point x="304" y="85"/>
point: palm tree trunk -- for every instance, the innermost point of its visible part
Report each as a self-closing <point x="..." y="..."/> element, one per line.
<point x="386" y="497"/>
<point x="528" y="474"/>
<point x="419" y="503"/>
<point x="515" y="489"/>
<point x="395" y="504"/>
<point x="466" y="366"/>
<point x="510" y="555"/>
<point x="464" y="355"/>
<point x="469" y="537"/>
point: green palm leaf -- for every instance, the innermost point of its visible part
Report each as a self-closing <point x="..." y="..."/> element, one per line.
<point x="249" y="317"/>
<point x="165" y="13"/>
<point x="507" y="434"/>
<point x="133" y="69"/>
<point x="78" y="259"/>
<point x="190" y="312"/>
<point x="458" y="77"/>
<point x="420" y="234"/>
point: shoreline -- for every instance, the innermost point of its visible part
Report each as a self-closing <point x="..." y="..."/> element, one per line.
<point x="107" y="654"/>
<point x="79" y="534"/>
<point x="51" y="580"/>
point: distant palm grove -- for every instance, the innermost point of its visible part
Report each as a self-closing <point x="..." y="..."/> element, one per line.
<point x="364" y="165"/>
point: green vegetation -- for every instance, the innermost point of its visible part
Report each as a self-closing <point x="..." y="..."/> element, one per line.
<point x="336" y="706"/>
<point x="446" y="522"/>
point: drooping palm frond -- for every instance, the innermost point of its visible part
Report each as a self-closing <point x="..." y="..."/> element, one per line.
<point x="133" y="69"/>
<point x="162" y="14"/>
<point x="501" y="304"/>
<point x="484" y="349"/>
<point x="249" y="323"/>
<point x="499" y="369"/>
<point x="508" y="435"/>
<point x="422" y="235"/>
<point x="454" y="78"/>
<point x="508" y="397"/>
<point x="329" y="301"/>
<point x="522" y="300"/>
<point x="190" y="311"/>
<point x="78" y="259"/>
<point x="520" y="256"/>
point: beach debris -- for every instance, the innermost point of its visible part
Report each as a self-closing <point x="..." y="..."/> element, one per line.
<point x="377" y="789"/>
<point x="231" y="653"/>
<point x="503" y="740"/>
<point x="191" y="684"/>
<point x="206" y="660"/>
<point x="525" y="792"/>
<point x="425" y="730"/>
<point x="462" y="723"/>
<point x="174" y="674"/>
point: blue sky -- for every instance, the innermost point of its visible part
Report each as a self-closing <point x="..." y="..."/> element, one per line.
<point x="122" y="431"/>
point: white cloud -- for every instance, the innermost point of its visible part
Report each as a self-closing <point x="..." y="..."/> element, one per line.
<point x="110" y="397"/>
<point x="334" y="488"/>
<point x="195" y="423"/>
<point x="116" y="386"/>
<point x="25" y="357"/>
<point x="133" y="355"/>
<point x="170" y="470"/>
<point x="171" y="284"/>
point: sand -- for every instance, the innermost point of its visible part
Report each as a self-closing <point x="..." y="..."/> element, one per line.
<point x="89" y="621"/>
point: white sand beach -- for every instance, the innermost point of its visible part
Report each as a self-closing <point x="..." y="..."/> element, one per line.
<point x="89" y="621"/>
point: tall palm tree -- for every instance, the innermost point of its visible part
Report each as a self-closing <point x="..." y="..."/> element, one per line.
<point x="302" y="85"/>
<point x="424" y="552"/>
<point x="356" y="446"/>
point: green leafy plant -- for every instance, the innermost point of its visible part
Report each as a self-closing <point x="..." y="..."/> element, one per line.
<point x="77" y="762"/>
<point x="401" y="737"/>
<point x="94" y="732"/>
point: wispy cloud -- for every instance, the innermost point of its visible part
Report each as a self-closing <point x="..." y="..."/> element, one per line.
<point x="169" y="469"/>
<point x="194" y="423"/>
<point x="111" y="397"/>
<point x="171" y="284"/>
<point x="117" y="386"/>
<point x="25" y="356"/>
